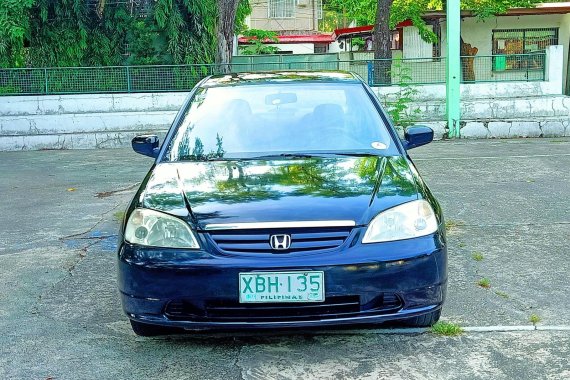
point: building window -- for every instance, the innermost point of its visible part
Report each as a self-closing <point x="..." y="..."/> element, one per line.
<point x="321" y="49"/>
<point x="436" y="50"/>
<point x="281" y="8"/>
<point x="320" y="9"/>
<point x="509" y="42"/>
<point x="397" y="39"/>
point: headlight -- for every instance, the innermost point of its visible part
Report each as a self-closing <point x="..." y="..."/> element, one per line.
<point x="406" y="221"/>
<point x="155" y="229"/>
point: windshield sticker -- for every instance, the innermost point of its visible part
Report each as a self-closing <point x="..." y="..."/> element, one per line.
<point x="378" y="145"/>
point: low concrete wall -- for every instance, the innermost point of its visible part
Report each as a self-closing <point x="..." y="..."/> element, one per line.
<point x="83" y="121"/>
<point x="62" y="122"/>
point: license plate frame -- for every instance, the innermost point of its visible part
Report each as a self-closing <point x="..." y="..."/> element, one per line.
<point x="288" y="286"/>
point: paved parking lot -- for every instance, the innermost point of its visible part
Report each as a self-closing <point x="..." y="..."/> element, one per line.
<point x="507" y="202"/>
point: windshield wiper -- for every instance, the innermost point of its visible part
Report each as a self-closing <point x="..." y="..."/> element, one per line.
<point x="351" y="154"/>
<point x="313" y="154"/>
<point x="285" y="155"/>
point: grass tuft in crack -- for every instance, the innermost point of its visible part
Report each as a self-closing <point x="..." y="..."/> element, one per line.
<point x="484" y="283"/>
<point x="446" y="329"/>
<point x="501" y="294"/>
<point x="534" y="319"/>
<point x="477" y="256"/>
<point x="119" y="215"/>
<point x="451" y="225"/>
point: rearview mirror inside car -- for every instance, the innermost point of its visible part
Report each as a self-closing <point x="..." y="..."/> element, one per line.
<point x="417" y="135"/>
<point x="146" y="145"/>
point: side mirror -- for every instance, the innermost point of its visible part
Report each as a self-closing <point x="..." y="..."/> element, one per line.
<point x="146" y="145"/>
<point x="417" y="135"/>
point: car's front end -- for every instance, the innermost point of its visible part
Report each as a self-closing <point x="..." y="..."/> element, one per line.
<point x="280" y="239"/>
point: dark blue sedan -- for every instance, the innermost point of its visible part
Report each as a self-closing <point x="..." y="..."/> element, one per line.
<point x="282" y="199"/>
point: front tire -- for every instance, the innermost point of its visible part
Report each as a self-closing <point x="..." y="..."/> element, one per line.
<point x="426" y="320"/>
<point x="145" y="329"/>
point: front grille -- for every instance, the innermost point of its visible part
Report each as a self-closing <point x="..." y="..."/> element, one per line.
<point x="232" y="311"/>
<point x="302" y="239"/>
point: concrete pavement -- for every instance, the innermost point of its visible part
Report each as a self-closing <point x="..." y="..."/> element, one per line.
<point x="60" y="315"/>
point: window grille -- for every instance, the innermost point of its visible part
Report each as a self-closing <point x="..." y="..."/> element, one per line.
<point x="281" y="8"/>
<point x="507" y="42"/>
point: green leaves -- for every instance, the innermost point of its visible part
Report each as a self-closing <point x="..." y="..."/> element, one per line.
<point x="14" y="26"/>
<point x="364" y="11"/>
<point x="256" y="39"/>
<point x="40" y="33"/>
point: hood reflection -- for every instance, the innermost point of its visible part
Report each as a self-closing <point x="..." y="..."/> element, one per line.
<point x="347" y="188"/>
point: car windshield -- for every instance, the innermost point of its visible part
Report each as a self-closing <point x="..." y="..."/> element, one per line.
<point x="279" y="119"/>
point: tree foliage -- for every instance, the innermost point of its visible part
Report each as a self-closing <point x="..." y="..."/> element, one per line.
<point x="14" y="26"/>
<point x="41" y="33"/>
<point x="256" y="39"/>
<point x="364" y="11"/>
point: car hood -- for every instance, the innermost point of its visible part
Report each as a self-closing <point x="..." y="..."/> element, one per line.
<point x="338" y="188"/>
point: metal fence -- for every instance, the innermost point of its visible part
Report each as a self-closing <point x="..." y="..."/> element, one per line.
<point x="474" y="69"/>
<point x="130" y="79"/>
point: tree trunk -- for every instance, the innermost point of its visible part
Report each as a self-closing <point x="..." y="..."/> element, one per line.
<point x="100" y="8"/>
<point x="382" y="43"/>
<point x="225" y="33"/>
<point x="468" y="53"/>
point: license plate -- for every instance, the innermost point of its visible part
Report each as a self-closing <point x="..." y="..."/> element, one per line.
<point x="281" y="287"/>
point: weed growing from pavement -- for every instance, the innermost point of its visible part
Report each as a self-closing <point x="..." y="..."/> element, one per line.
<point x="477" y="256"/>
<point x="119" y="215"/>
<point x="451" y="225"/>
<point x="461" y="245"/>
<point x="446" y="328"/>
<point x="484" y="283"/>
<point x="534" y="319"/>
<point x="501" y="294"/>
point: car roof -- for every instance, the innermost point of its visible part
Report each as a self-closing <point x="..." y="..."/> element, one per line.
<point x="263" y="77"/>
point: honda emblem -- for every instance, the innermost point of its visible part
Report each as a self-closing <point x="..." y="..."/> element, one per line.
<point x="280" y="242"/>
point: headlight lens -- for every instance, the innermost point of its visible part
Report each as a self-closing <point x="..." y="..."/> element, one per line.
<point x="156" y="229"/>
<point x="410" y="220"/>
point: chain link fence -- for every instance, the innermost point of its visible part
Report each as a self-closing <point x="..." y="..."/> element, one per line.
<point x="132" y="79"/>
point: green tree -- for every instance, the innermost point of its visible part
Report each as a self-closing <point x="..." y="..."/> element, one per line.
<point x="81" y="33"/>
<point x="256" y="39"/>
<point x="14" y="29"/>
<point x="365" y="12"/>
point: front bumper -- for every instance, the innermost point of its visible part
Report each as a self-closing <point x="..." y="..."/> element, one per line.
<point x="414" y="272"/>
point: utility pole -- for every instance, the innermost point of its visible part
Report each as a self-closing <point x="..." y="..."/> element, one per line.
<point x="453" y="66"/>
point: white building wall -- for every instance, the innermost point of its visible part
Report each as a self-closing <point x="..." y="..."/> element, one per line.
<point x="296" y="48"/>
<point x="304" y="17"/>
<point x="414" y="46"/>
<point x="479" y="33"/>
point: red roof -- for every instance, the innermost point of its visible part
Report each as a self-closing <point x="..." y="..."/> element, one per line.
<point x="360" y="31"/>
<point x="353" y="30"/>
<point x="297" y="39"/>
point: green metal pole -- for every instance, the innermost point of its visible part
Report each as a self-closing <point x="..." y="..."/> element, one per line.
<point x="46" y="81"/>
<point x="128" y="79"/>
<point x="453" y="66"/>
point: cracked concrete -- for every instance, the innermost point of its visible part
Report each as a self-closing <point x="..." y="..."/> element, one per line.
<point x="60" y="315"/>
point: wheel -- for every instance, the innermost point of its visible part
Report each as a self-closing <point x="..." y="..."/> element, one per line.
<point x="426" y="320"/>
<point x="144" y="329"/>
